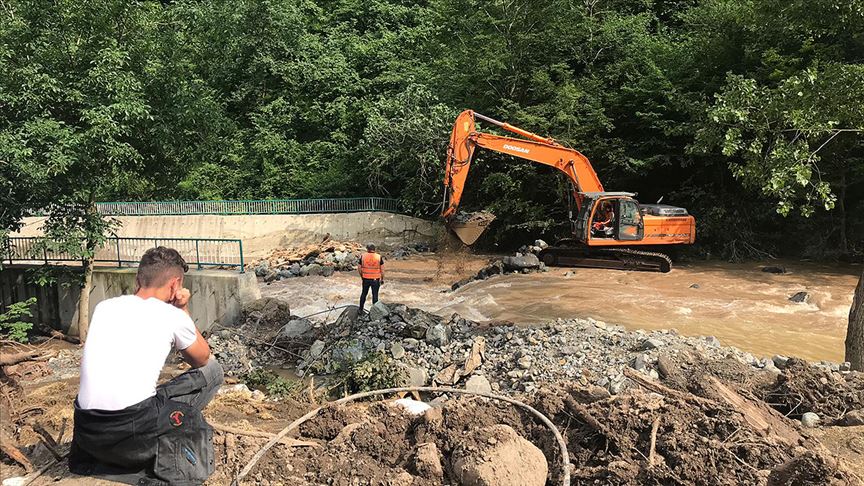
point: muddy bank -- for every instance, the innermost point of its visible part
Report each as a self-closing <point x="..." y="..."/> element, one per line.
<point x="738" y="303"/>
<point x="688" y="411"/>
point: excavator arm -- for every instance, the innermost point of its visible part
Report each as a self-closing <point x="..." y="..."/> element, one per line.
<point x="465" y="139"/>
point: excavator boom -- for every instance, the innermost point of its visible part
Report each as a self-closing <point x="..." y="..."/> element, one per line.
<point x="465" y="139"/>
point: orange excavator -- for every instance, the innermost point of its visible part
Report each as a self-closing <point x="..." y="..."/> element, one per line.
<point x="610" y="229"/>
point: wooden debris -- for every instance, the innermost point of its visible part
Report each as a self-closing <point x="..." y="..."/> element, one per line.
<point x="265" y="435"/>
<point x="13" y="359"/>
<point x="764" y="419"/>
<point x="8" y="446"/>
<point x="65" y="337"/>
<point x="652" y="452"/>
<point x="652" y="385"/>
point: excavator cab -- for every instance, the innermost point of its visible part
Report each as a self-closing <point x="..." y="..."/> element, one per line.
<point x="606" y="218"/>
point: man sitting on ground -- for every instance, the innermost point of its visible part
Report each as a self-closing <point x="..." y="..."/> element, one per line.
<point x="127" y="428"/>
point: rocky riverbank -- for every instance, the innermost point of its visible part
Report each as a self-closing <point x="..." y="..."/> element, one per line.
<point x="634" y="407"/>
<point x="501" y="357"/>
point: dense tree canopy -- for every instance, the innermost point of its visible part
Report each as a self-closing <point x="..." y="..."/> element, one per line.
<point x="748" y="113"/>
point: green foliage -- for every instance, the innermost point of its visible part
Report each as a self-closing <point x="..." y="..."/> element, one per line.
<point x="736" y="110"/>
<point x="374" y="372"/>
<point x="11" y="325"/>
<point x="775" y="135"/>
<point x="271" y="383"/>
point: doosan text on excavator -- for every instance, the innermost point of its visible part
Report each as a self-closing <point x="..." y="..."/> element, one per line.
<point x="610" y="229"/>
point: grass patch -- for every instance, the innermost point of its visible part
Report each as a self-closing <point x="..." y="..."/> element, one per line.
<point x="271" y="383"/>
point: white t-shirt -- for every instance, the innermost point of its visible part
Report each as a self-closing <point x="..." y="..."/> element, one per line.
<point x="126" y="347"/>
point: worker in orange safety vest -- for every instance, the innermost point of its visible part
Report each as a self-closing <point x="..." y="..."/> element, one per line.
<point x="372" y="272"/>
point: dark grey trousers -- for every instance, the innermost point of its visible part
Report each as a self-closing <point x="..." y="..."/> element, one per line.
<point x="196" y="387"/>
<point x="369" y="283"/>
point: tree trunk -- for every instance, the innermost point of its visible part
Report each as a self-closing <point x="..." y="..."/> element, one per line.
<point x="855" y="331"/>
<point x="841" y="213"/>
<point x="84" y="299"/>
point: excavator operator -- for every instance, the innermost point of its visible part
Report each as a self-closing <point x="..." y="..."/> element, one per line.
<point x="604" y="218"/>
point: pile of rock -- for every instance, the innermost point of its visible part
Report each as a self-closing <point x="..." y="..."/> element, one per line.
<point x="455" y="351"/>
<point x="536" y="248"/>
<point x="406" y="251"/>
<point x="321" y="259"/>
<point x="519" y="263"/>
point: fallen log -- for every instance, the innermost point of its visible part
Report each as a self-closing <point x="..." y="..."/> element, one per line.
<point x="65" y="337"/>
<point x="652" y="451"/>
<point x="264" y="435"/>
<point x="761" y="417"/>
<point x="12" y="359"/>
<point x="666" y="391"/>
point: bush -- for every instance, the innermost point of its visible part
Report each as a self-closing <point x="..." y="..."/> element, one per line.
<point x="271" y="383"/>
<point x="11" y="325"/>
<point x="375" y="372"/>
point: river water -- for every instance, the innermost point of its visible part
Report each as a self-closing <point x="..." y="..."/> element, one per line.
<point x="738" y="303"/>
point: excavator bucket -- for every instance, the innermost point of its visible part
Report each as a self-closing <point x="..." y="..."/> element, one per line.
<point x="469" y="226"/>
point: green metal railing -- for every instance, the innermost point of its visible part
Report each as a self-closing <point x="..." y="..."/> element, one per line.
<point x="198" y="252"/>
<point x="270" y="206"/>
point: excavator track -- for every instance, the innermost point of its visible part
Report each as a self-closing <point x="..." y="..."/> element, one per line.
<point x="613" y="258"/>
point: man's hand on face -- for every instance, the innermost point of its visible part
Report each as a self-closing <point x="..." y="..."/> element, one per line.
<point x="181" y="298"/>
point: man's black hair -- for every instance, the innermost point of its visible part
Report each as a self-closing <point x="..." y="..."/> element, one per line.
<point x="370" y="247"/>
<point x="158" y="265"/>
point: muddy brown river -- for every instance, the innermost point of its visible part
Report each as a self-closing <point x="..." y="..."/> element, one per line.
<point x="738" y="303"/>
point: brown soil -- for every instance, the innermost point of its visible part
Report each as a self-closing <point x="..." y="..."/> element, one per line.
<point x="803" y="388"/>
<point x="847" y="443"/>
<point x="712" y="428"/>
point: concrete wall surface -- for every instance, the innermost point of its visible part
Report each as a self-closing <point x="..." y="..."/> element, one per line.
<point x="263" y="233"/>
<point x="217" y="295"/>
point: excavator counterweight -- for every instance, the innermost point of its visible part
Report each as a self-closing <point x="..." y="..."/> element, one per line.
<point x="610" y="229"/>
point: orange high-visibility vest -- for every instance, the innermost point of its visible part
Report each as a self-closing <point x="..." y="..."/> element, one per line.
<point x="370" y="266"/>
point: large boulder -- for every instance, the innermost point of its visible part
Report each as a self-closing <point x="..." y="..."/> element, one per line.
<point x="800" y="298"/>
<point x="519" y="263"/>
<point x="313" y="269"/>
<point x="495" y="268"/>
<point x="295" y="328"/>
<point x="498" y="456"/>
<point x="285" y="273"/>
<point x="348" y="316"/>
<point x="268" y="309"/>
<point x="438" y="335"/>
<point x="416" y="376"/>
<point x="262" y="268"/>
<point x="479" y="384"/>
<point x="349" y="353"/>
<point x="378" y="311"/>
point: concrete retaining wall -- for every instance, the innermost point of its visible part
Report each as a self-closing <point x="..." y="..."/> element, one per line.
<point x="263" y="233"/>
<point x="217" y="295"/>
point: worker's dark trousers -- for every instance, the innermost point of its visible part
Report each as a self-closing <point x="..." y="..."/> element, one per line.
<point x="195" y="387"/>
<point x="141" y="444"/>
<point x="373" y="284"/>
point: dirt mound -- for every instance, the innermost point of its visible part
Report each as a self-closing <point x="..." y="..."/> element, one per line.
<point x="647" y="438"/>
<point x="637" y="437"/>
<point x="802" y="388"/>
